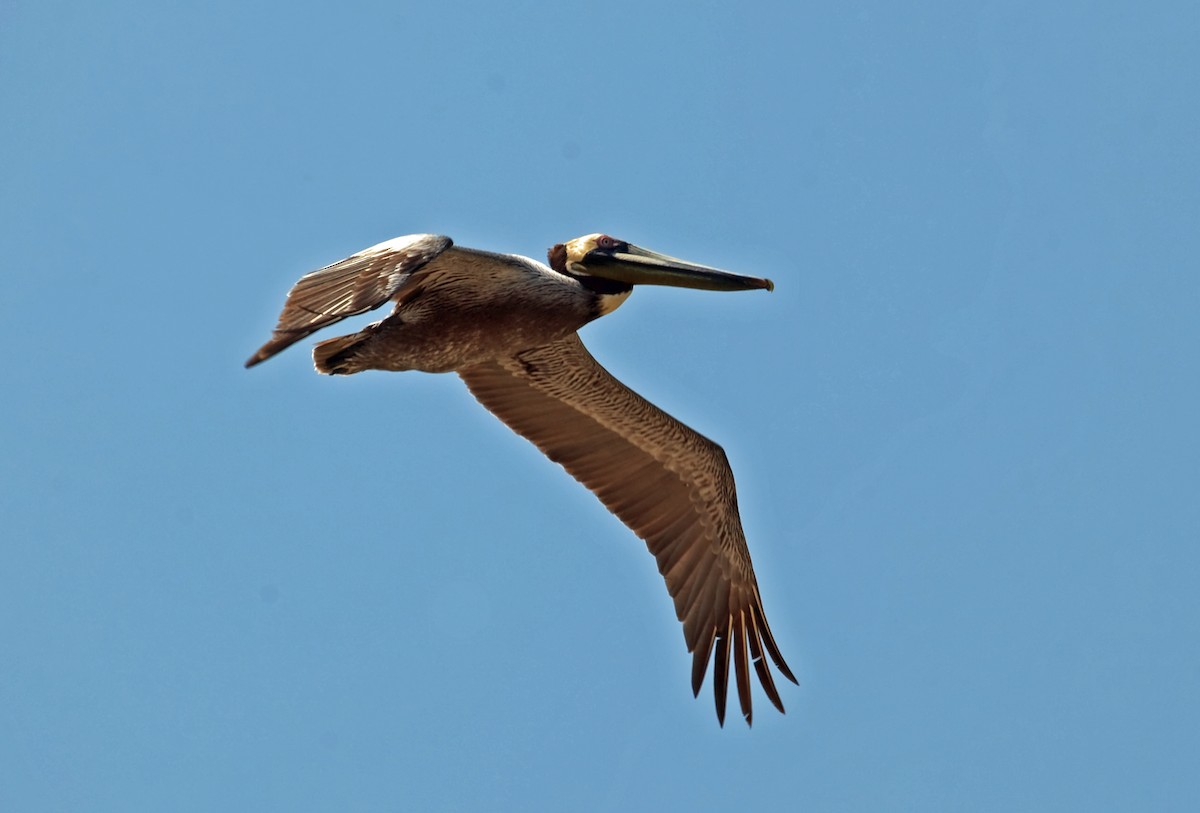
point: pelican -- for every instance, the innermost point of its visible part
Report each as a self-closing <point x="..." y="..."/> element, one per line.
<point x="507" y="325"/>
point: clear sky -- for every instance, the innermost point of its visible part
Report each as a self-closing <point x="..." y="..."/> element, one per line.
<point x="964" y="425"/>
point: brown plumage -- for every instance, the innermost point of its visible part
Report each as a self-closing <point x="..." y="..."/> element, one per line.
<point x="507" y="325"/>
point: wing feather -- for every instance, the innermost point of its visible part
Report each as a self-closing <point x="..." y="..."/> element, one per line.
<point x="672" y="486"/>
<point x="741" y="665"/>
<point x="700" y="661"/>
<point x="355" y="285"/>
<point x="721" y="668"/>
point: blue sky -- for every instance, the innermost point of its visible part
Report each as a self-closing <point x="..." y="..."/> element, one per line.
<point x="963" y="425"/>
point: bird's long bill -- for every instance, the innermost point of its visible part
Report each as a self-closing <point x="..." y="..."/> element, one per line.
<point x="639" y="266"/>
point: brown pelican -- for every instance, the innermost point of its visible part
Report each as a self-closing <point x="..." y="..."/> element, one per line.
<point x="507" y="325"/>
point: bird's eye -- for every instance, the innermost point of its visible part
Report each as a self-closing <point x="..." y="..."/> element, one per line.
<point x="604" y="241"/>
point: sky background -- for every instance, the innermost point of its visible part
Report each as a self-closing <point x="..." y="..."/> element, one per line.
<point x="963" y="426"/>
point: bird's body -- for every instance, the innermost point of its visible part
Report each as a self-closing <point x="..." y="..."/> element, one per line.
<point x="507" y="325"/>
<point x="472" y="306"/>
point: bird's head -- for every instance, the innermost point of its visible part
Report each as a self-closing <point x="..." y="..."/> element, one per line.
<point x="607" y="258"/>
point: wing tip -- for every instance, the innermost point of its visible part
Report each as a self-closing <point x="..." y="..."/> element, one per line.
<point x="749" y="637"/>
<point x="276" y="345"/>
<point x="260" y="355"/>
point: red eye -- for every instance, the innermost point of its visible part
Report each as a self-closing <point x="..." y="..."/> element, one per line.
<point x="607" y="242"/>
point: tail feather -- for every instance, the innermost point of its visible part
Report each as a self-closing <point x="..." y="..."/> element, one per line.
<point x="339" y="356"/>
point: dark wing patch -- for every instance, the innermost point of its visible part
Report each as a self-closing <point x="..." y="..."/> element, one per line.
<point x="351" y="286"/>
<point x="671" y="485"/>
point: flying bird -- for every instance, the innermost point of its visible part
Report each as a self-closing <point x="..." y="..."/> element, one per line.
<point x="507" y="325"/>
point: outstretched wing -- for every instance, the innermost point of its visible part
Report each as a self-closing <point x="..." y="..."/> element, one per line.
<point x="671" y="485"/>
<point x="351" y="286"/>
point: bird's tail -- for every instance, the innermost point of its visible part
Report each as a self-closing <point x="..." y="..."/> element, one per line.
<point x="340" y="356"/>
